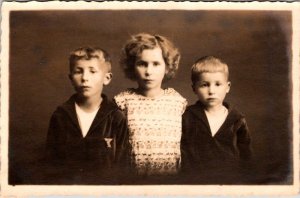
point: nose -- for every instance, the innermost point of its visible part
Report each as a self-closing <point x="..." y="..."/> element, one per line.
<point x="211" y="90"/>
<point x="85" y="76"/>
<point x="149" y="70"/>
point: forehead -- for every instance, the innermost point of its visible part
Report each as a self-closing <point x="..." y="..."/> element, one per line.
<point x="90" y="63"/>
<point x="213" y="76"/>
<point x="155" y="53"/>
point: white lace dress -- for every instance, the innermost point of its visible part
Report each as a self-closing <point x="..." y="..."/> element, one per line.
<point x="154" y="130"/>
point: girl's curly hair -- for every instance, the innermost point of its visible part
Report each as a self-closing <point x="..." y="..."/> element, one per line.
<point x="139" y="42"/>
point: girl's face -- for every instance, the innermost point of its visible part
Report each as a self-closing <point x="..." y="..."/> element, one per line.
<point x="150" y="69"/>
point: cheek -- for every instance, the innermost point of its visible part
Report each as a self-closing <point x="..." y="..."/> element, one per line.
<point x="162" y="72"/>
<point x="164" y="69"/>
<point x="74" y="80"/>
<point x="137" y="70"/>
<point x="139" y="73"/>
<point x="199" y="92"/>
<point x="100" y="79"/>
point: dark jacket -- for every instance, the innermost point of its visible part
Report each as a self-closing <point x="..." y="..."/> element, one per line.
<point x="97" y="158"/>
<point x="219" y="159"/>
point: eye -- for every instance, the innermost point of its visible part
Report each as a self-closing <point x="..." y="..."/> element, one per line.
<point x="77" y="71"/>
<point x="204" y="85"/>
<point x="156" y="63"/>
<point x="218" y="84"/>
<point x="141" y="64"/>
<point x="93" y="71"/>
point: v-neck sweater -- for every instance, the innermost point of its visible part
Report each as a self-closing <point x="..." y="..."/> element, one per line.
<point x="104" y="147"/>
<point x="214" y="158"/>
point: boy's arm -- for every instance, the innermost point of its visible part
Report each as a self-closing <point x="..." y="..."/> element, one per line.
<point x="244" y="145"/>
<point x="244" y="140"/>
<point x="52" y="142"/>
<point x="122" y="154"/>
<point x="186" y="155"/>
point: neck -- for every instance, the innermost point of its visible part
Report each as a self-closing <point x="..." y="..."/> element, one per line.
<point x="89" y="104"/>
<point x="215" y="110"/>
<point x="151" y="93"/>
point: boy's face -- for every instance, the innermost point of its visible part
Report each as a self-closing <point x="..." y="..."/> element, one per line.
<point x="212" y="88"/>
<point x="89" y="76"/>
<point x="150" y="69"/>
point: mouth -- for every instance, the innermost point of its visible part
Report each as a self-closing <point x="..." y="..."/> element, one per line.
<point x="148" y="81"/>
<point x="85" y="87"/>
<point x="211" y="99"/>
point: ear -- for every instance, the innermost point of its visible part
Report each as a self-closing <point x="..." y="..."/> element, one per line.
<point x="166" y="70"/>
<point x="71" y="78"/>
<point x="193" y="88"/>
<point x="107" y="78"/>
<point x="228" y="88"/>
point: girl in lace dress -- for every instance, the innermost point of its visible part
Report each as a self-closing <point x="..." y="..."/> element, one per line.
<point x="153" y="113"/>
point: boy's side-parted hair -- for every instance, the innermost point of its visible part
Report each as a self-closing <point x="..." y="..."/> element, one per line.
<point x="139" y="42"/>
<point x="87" y="53"/>
<point x="208" y="64"/>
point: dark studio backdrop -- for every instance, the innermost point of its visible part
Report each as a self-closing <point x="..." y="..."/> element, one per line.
<point x="255" y="44"/>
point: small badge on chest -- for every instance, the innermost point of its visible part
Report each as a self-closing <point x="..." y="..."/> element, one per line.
<point x="108" y="142"/>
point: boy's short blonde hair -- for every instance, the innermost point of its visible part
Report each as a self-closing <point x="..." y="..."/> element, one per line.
<point x="87" y="53"/>
<point x="139" y="42"/>
<point x="208" y="64"/>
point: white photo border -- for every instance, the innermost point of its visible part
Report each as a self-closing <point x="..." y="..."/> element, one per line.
<point x="39" y="190"/>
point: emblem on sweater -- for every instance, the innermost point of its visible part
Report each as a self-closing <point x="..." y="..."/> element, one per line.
<point x="108" y="142"/>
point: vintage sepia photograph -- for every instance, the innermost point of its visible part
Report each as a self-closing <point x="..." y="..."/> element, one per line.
<point x="161" y="98"/>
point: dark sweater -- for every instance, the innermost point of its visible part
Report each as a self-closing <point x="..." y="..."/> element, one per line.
<point x="219" y="159"/>
<point x="98" y="158"/>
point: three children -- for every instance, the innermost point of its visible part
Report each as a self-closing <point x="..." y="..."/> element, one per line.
<point x="91" y="138"/>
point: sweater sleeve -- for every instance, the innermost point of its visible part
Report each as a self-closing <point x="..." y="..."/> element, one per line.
<point x="184" y="105"/>
<point x="120" y="100"/>
<point x="244" y="141"/>
<point x="186" y="154"/>
<point x="122" y="153"/>
<point x="53" y="151"/>
<point x="122" y="143"/>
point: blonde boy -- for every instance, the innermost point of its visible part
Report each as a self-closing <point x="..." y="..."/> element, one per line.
<point x="87" y="137"/>
<point x="215" y="141"/>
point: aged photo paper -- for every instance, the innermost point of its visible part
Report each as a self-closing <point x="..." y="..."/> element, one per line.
<point x="259" y="42"/>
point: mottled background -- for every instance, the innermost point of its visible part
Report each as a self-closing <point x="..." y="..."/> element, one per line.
<point x="255" y="44"/>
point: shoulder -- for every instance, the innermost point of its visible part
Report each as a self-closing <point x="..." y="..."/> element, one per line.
<point x="121" y="98"/>
<point x="176" y="98"/>
<point x="238" y="121"/>
<point x="233" y="111"/>
<point x="193" y="110"/>
<point x="109" y="106"/>
<point x="65" y="107"/>
<point x="171" y="92"/>
<point x="237" y="118"/>
<point x="62" y="115"/>
<point x="125" y="95"/>
<point x="197" y="106"/>
<point x="113" y="113"/>
<point x="117" y="114"/>
<point x="237" y="113"/>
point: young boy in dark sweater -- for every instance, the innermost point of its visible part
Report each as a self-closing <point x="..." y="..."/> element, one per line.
<point x="215" y="144"/>
<point x="87" y="140"/>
